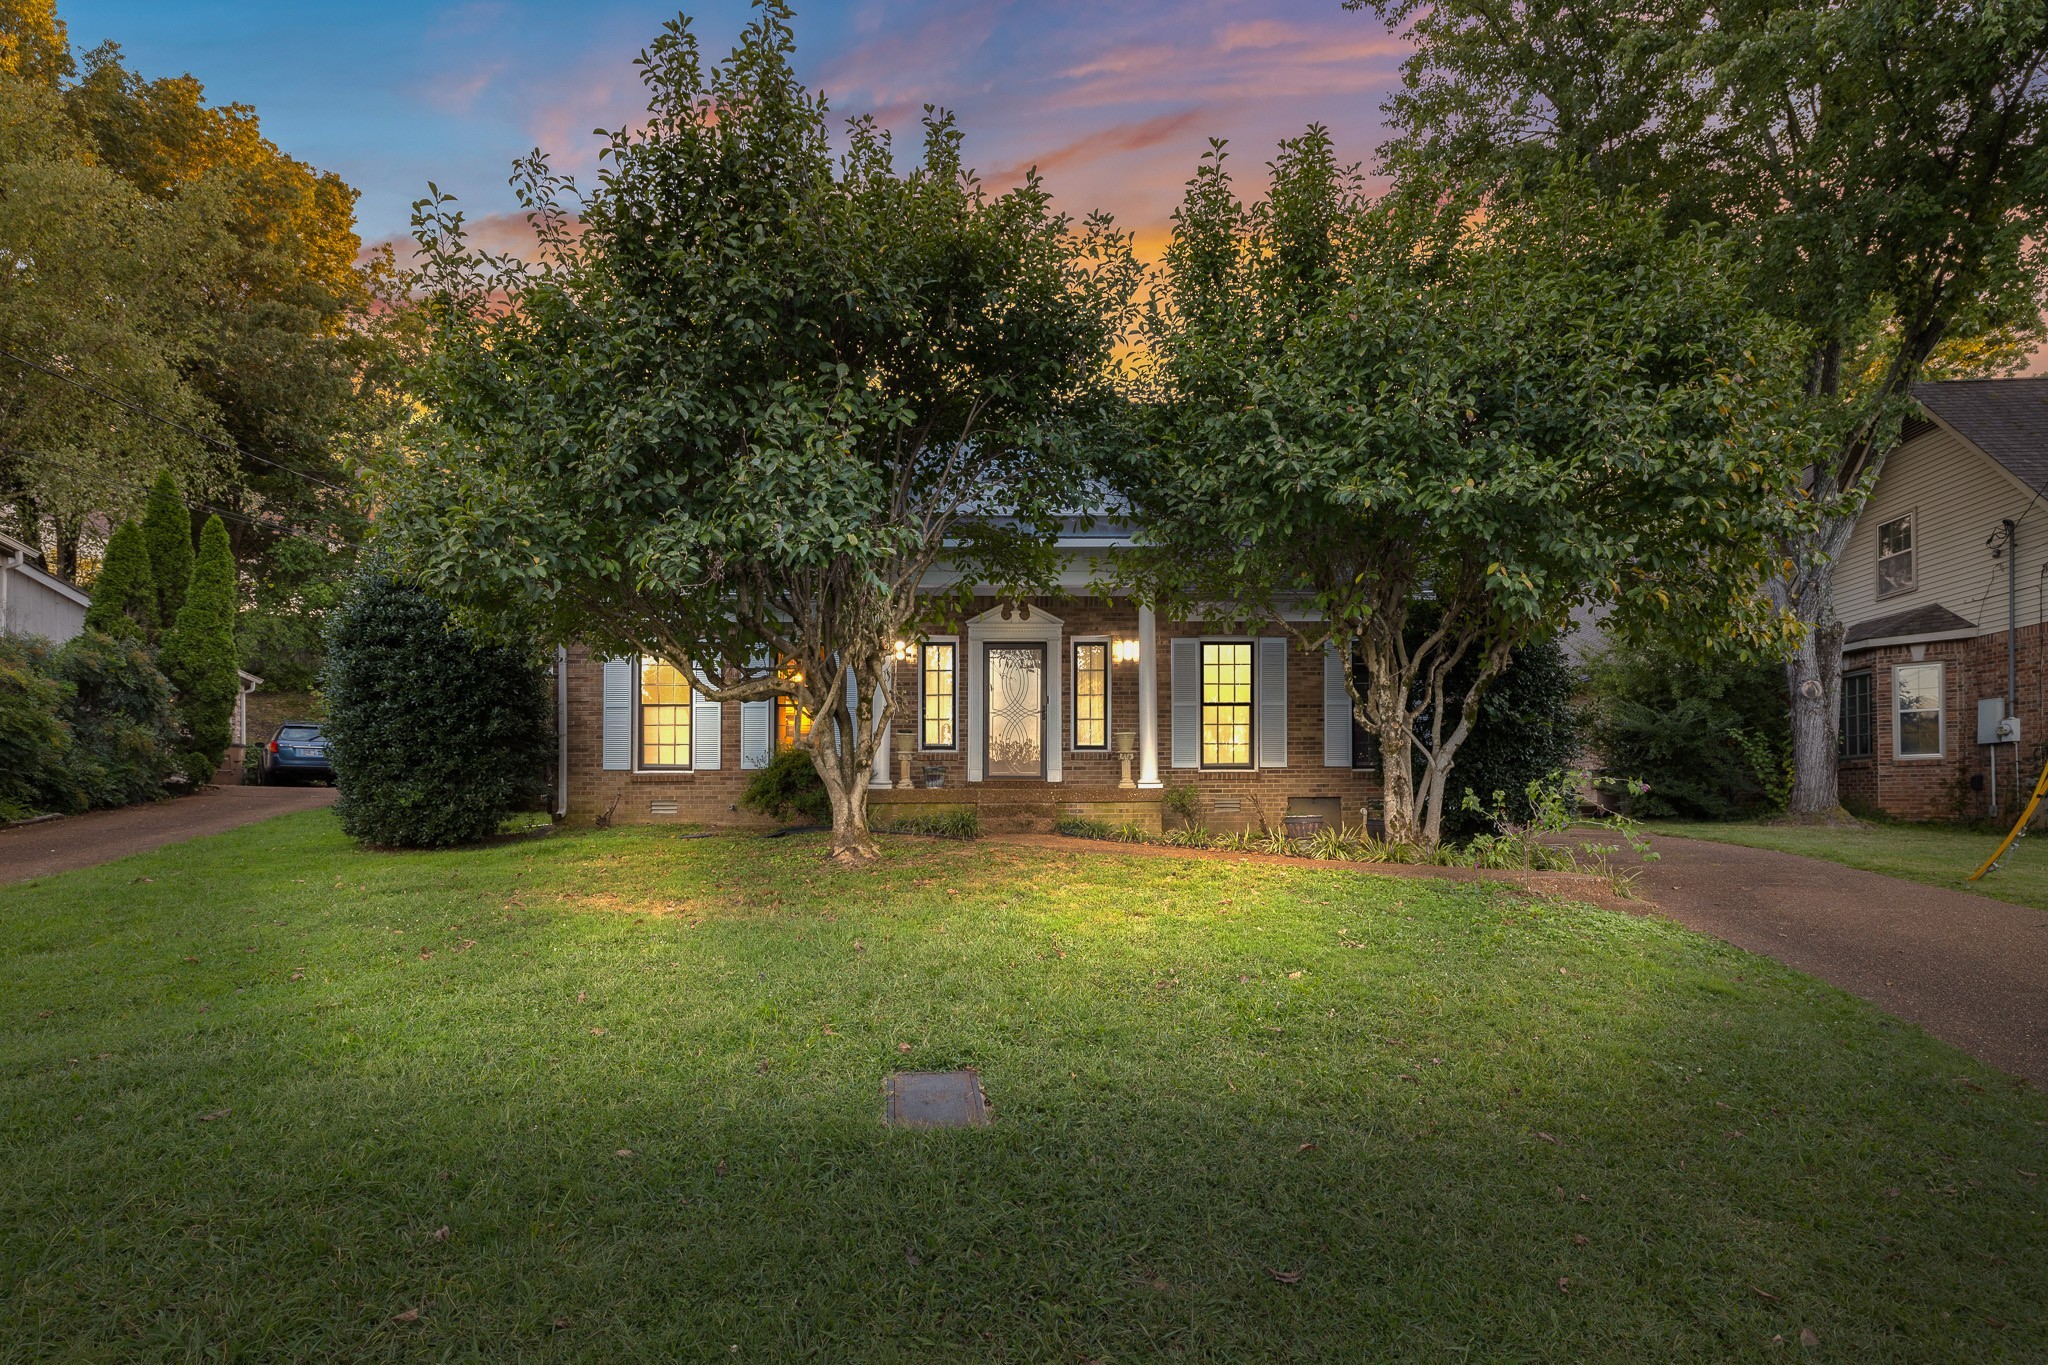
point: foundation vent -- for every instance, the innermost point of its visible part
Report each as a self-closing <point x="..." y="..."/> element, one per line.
<point x="1229" y="805"/>
<point x="661" y="807"/>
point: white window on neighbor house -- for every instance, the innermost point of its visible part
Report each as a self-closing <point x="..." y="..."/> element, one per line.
<point x="664" y="715"/>
<point x="1859" y="715"/>
<point x="1917" y="711"/>
<point x="1895" y="556"/>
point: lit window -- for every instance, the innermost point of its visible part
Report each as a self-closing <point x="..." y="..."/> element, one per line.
<point x="1859" y="717"/>
<point x="936" y="670"/>
<point x="1916" y="702"/>
<point x="1227" y="705"/>
<point x="1091" y="695"/>
<point x="1895" y="557"/>
<point x="664" y="715"/>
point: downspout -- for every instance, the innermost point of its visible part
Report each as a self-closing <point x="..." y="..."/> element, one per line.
<point x="2012" y="653"/>
<point x="561" y="732"/>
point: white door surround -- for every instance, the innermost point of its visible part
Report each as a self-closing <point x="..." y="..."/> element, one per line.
<point x="1038" y="627"/>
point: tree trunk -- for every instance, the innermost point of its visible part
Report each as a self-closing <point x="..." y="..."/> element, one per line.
<point x="843" y="742"/>
<point x="1383" y="708"/>
<point x="1813" y="673"/>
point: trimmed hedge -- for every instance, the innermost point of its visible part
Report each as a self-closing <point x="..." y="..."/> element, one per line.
<point x="435" y="734"/>
<point x="82" y="727"/>
<point x="167" y="531"/>
<point x="789" y="790"/>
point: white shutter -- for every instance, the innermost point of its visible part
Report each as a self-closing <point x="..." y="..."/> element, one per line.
<point x="1336" y="711"/>
<point x="1271" y="690"/>
<point x="757" y="733"/>
<point x="1186" y="666"/>
<point x="707" y="733"/>
<point x="618" y="714"/>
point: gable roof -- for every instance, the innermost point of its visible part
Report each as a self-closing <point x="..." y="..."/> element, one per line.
<point x="2007" y="419"/>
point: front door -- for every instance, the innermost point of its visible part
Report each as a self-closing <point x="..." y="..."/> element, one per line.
<point x="1015" y="711"/>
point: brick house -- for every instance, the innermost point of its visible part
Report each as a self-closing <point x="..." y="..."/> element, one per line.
<point x="1017" y="710"/>
<point x="1943" y="589"/>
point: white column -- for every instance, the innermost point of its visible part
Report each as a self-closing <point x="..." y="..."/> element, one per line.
<point x="879" y="779"/>
<point x="1148" y="701"/>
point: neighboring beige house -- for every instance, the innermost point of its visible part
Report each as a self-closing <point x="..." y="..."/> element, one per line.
<point x="1944" y="591"/>
<point x="33" y="601"/>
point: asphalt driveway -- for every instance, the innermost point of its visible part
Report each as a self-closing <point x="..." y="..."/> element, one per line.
<point x="1970" y="970"/>
<point x="39" y="850"/>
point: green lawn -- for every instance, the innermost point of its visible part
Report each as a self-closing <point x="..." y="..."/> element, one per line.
<point x="248" y="1080"/>
<point x="1934" y="854"/>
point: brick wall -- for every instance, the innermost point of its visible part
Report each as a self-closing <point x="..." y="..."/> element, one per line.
<point x="1089" y="777"/>
<point x="1941" y="788"/>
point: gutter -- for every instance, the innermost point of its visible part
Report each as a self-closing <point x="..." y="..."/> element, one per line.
<point x="561" y="731"/>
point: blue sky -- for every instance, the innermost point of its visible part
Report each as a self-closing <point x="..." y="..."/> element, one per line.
<point x="1114" y="101"/>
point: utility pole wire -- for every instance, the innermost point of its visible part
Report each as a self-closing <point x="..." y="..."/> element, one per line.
<point x="159" y="418"/>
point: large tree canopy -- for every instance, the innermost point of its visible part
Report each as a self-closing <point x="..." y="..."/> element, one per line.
<point x="1882" y="166"/>
<point x="1428" y="427"/>
<point x="736" y="419"/>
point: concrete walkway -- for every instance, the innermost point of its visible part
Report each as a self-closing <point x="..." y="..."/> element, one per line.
<point x="1970" y="970"/>
<point x="52" y="846"/>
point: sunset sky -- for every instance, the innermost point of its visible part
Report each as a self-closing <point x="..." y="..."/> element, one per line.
<point x="1113" y="101"/>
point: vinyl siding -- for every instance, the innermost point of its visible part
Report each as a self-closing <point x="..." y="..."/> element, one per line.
<point x="1957" y="496"/>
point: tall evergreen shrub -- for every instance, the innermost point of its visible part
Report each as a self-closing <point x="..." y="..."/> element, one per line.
<point x="123" y="726"/>
<point x="199" y="654"/>
<point x="1711" y="738"/>
<point x="167" y="527"/>
<point x="435" y="734"/>
<point x="124" y="596"/>
<point x="1528" y="728"/>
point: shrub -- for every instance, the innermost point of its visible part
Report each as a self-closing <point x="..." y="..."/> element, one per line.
<point x="789" y="790"/>
<point x="1708" y="738"/>
<point x="1528" y="727"/>
<point x="435" y="734"/>
<point x="1082" y="827"/>
<point x="118" y="708"/>
<point x="124" y="600"/>
<point x="34" y="743"/>
<point x="199" y="655"/>
<point x="167" y="533"/>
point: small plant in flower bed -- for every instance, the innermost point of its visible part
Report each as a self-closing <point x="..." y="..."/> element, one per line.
<point x="1538" y="843"/>
<point x="952" y="824"/>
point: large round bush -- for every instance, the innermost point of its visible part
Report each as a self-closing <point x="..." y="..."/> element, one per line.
<point x="435" y="735"/>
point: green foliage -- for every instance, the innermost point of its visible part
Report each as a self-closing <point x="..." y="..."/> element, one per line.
<point x="1709" y="738"/>
<point x="1182" y="799"/>
<point x="199" y="654"/>
<point x="788" y="789"/>
<point x="1528" y="728"/>
<point x="735" y="418"/>
<point x="282" y="627"/>
<point x="34" y="743"/>
<point x="1492" y="410"/>
<point x="167" y="529"/>
<point x="1537" y="840"/>
<point x="435" y="734"/>
<point x="949" y="824"/>
<point x="124" y="594"/>
<point x="124" y="730"/>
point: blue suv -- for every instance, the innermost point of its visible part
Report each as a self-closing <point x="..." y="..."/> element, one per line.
<point x="296" y="753"/>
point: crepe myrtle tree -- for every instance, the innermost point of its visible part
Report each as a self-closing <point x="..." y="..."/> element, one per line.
<point x="1422" y="429"/>
<point x="752" y="392"/>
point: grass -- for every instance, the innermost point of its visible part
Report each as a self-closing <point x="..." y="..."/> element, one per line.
<point x="1937" y="855"/>
<point x="1244" y="1112"/>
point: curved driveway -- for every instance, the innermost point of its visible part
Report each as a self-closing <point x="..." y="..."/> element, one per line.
<point x="51" y="846"/>
<point x="1970" y="970"/>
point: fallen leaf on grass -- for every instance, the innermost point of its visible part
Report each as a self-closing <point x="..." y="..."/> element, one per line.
<point x="582" y="996"/>
<point x="561" y="1324"/>
<point x="298" y="976"/>
<point x="409" y="1315"/>
<point x="216" y="1114"/>
<point x="1545" y="1137"/>
<point x="1578" y="1239"/>
<point x="1404" y="1076"/>
<point x="763" y="1067"/>
<point x="1294" y="976"/>
<point x="720" y="1168"/>
<point x="831" y="1032"/>
<point x="1564" y="1284"/>
<point x="1306" y="1147"/>
<point x="1807" y="1337"/>
<point x="1763" y="1293"/>
<point x="903" y="1047"/>
<point x="625" y="1151"/>
<point x="910" y="1256"/>
<point x="597" y="1033"/>
<point x="190" y="958"/>
<point x="1735" y="1133"/>
<point x="439" y="1234"/>
<point x="1286" y="1276"/>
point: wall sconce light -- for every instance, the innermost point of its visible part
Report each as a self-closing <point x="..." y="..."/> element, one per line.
<point x="1124" y="651"/>
<point x="902" y="651"/>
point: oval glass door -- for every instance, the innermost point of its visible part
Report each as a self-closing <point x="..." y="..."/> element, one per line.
<point x="1016" y="711"/>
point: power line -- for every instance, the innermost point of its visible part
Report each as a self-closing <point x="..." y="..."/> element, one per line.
<point x="159" y="418"/>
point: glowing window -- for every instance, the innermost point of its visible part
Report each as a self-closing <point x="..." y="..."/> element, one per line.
<point x="936" y="670"/>
<point x="1227" y="705"/>
<point x="1091" y="695"/>
<point x="664" y="715"/>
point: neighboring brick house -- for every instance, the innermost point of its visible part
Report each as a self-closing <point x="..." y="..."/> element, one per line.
<point x="1943" y="589"/>
<point x="1018" y="710"/>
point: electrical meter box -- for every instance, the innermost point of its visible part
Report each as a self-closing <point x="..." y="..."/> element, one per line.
<point x="1990" y="715"/>
<point x="2009" y="730"/>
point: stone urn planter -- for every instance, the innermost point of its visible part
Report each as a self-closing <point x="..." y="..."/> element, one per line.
<point x="1126" y="746"/>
